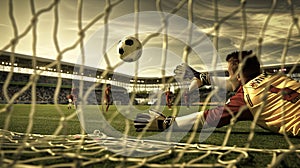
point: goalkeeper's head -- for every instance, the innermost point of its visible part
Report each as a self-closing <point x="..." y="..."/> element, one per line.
<point x="250" y="66"/>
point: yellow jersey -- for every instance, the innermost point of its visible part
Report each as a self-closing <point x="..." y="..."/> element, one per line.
<point x="276" y="99"/>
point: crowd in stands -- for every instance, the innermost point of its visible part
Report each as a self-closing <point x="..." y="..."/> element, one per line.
<point x="44" y="95"/>
<point x="45" y="90"/>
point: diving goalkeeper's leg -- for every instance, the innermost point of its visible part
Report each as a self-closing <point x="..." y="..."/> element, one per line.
<point x="189" y="122"/>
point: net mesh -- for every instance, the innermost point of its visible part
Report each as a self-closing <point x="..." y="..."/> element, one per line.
<point x="56" y="150"/>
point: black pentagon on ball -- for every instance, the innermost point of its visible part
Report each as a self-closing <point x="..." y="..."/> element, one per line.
<point x="121" y="51"/>
<point x="129" y="42"/>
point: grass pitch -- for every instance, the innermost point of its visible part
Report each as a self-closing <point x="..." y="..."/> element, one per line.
<point x="46" y="119"/>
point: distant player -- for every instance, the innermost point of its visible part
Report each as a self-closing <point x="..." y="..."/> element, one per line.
<point x="74" y="93"/>
<point x="70" y="101"/>
<point x="275" y="99"/>
<point x="186" y="97"/>
<point x="169" y="98"/>
<point x="107" y="96"/>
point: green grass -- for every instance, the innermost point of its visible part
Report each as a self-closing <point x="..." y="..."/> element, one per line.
<point x="46" y="119"/>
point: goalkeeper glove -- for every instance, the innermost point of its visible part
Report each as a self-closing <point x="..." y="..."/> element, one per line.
<point x="183" y="71"/>
<point x="154" y="121"/>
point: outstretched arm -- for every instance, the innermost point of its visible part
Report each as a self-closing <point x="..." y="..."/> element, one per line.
<point x="228" y="83"/>
<point x="156" y="121"/>
<point x="184" y="71"/>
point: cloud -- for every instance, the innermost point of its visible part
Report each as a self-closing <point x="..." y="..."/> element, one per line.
<point x="230" y="35"/>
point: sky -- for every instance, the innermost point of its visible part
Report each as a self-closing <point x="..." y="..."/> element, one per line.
<point x="121" y="23"/>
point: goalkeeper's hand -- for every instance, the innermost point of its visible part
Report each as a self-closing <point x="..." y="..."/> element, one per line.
<point x="184" y="71"/>
<point x="152" y="121"/>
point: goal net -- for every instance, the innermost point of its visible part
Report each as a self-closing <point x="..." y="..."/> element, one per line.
<point x="198" y="33"/>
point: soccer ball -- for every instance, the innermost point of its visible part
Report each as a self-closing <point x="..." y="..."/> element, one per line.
<point x="129" y="49"/>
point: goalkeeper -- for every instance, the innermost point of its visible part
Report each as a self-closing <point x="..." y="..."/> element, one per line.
<point x="274" y="99"/>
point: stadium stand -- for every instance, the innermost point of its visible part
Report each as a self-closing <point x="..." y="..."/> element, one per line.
<point x="122" y="85"/>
